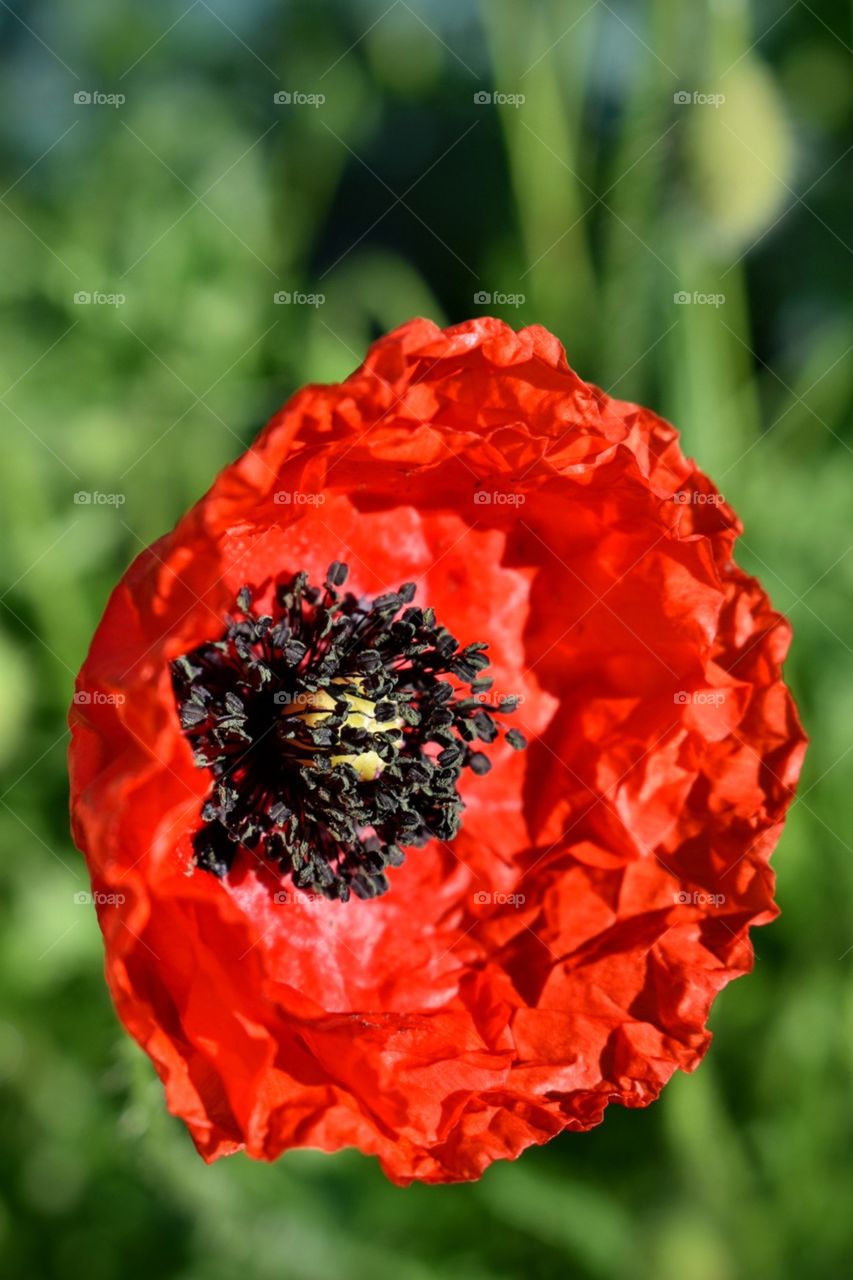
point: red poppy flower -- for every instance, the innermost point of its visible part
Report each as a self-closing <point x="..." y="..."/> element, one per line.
<point x="324" y="928"/>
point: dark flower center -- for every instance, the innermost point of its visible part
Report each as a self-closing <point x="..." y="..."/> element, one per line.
<point x="334" y="737"/>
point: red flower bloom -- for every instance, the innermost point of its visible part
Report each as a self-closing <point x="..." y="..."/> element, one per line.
<point x="563" y="950"/>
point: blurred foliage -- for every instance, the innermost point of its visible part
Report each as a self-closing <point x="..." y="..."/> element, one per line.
<point x="598" y="199"/>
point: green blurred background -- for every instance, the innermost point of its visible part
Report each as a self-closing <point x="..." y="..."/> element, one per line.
<point x="587" y="197"/>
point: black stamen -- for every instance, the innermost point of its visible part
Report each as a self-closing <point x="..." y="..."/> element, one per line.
<point x="332" y="738"/>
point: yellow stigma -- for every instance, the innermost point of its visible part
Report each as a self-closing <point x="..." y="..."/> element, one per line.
<point x="313" y="708"/>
